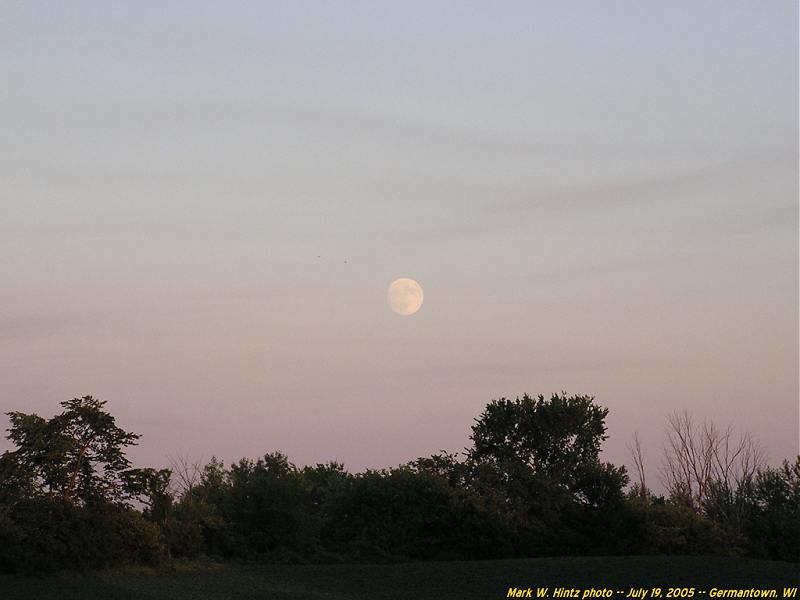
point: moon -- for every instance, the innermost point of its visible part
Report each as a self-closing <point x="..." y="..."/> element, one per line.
<point x="404" y="296"/>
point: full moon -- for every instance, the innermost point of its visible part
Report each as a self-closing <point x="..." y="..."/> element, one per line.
<point x="404" y="296"/>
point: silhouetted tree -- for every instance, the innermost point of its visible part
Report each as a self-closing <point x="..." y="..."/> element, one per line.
<point x="702" y="459"/>
<point x="531" y="484"/>
<point x="65" y="493"/>
<point x="559" y="439"/>
<point x="773" y="524"/>
<point x="552" y="437"/>
<point x="77" y="456"/>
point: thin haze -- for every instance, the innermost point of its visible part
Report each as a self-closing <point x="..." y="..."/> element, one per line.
<point x="203" y="204"/>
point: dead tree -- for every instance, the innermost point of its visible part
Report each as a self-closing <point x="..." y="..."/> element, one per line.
<point x="699" y="456"/>
<point x="635" y="449"/>
<point x="185" y="475"/>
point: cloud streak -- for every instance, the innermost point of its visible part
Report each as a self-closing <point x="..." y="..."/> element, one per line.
<point x="489" y="210"/>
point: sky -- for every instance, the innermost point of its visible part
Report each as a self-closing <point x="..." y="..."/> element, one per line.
<point x="202" y="206"/>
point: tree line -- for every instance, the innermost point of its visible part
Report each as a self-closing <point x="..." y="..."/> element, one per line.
<point x="532" y="483"/>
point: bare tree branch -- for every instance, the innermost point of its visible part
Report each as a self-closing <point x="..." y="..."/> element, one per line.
<point x="185" y="474"/>
<point x="635" y="449"/>
<point x="700" y="455"/>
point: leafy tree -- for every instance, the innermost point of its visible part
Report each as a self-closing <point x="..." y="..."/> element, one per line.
<point x="199" y="525"/>
<point x="151" y="486"/>
<point x="774" y="524"/>
<point x="675" y="528"/>
<point x="444" y="465"/>
<point x="44" y="534"/>
<point x="65" y="492"/>
<point x="321" y="483"/>
<point x="16" y="483"/>
<point x="267" y="506"/>
<point x="532" y="484"/>
<point x="408" y="513"/>
<point x="544" y="456"/>
<point x="558" y="439"/>
<point x="552" y="437"/>
<point x="77" y="456"/>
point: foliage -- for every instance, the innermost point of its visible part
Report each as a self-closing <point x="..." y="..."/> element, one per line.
<point x="43" y="534"/>
<point x="65" y="493"/>
<point x="77" y="456"/>
<point x="677" y="529"/>
<point x="552" y="437"/>
<point x="532" y="484"/>
<point x="773" y="527"/>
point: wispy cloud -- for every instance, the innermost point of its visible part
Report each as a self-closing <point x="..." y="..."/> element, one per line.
<point x="387" y="127"/>
<point x="783" y="217"/>
<point x="488" y="210"/>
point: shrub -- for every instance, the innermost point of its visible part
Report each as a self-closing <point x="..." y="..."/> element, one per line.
<point x="44" y="534"/>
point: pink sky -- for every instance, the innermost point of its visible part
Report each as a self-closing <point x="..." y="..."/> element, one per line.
<point x="202" y="210"/>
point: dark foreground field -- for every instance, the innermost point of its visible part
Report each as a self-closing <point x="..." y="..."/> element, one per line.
<point x="482" y="580"/>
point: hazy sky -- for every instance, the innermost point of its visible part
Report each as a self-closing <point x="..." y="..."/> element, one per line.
<point x="599" y="198"/>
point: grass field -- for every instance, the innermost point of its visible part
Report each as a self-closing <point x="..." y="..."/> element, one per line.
<point x="482" y="580"/>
